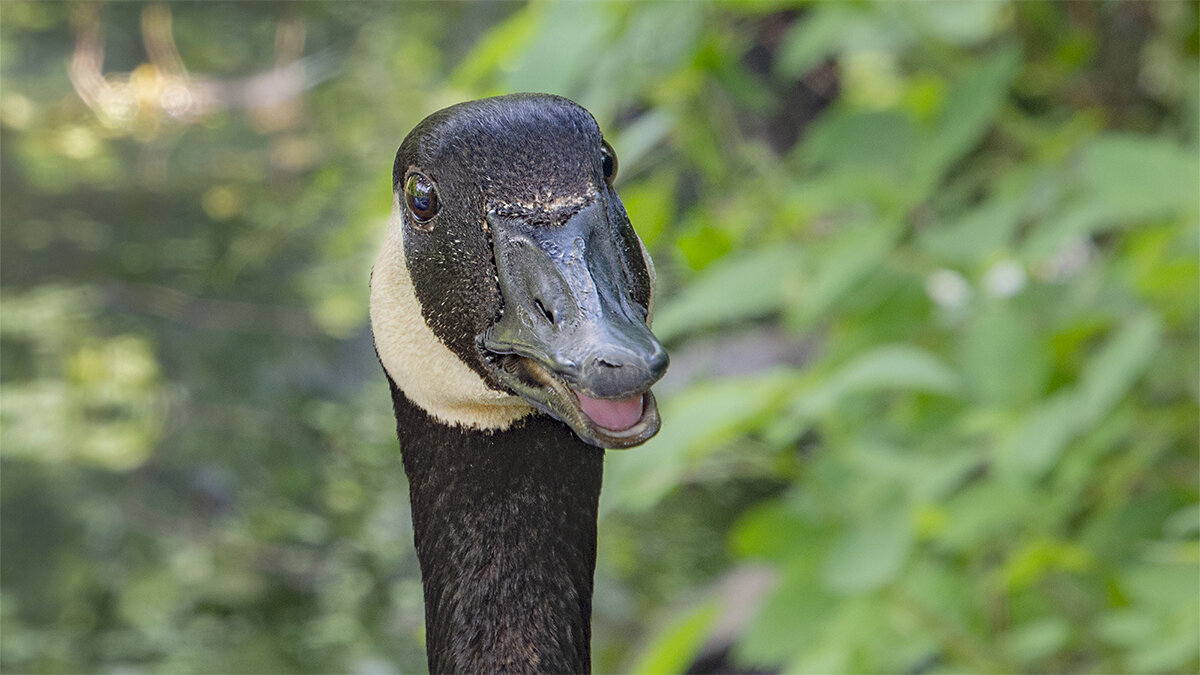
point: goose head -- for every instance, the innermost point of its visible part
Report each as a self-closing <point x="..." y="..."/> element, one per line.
<point x="511" y="280"/>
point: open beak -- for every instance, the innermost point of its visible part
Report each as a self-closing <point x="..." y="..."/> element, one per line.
<point x="571" y="340"/>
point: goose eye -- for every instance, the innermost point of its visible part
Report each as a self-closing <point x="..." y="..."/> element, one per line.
<point x="421" y="196"/>
<point x="608" y="160"/>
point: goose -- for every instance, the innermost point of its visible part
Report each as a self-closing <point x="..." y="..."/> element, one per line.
<point x="510" y="305"/>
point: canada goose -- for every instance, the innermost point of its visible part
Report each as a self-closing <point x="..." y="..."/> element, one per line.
<point x="510" y="305"/>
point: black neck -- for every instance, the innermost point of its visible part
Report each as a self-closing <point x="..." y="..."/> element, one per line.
<point x="505" y="528"/>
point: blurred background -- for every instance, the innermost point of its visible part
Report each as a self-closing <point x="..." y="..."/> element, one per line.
<point x="928" y="273"/>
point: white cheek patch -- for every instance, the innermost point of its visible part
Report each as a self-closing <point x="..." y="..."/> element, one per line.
<point x="424" y="368"/>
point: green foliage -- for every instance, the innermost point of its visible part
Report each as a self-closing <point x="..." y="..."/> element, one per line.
<point x="739" y="288"/>
<point x="928" y="273"/>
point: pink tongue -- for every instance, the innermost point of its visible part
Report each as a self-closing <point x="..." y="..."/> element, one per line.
<point x="612" y="415"/>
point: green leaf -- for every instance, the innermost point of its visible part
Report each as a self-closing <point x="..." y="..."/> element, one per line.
<point x="1140" y="177"/>
<point x="1163" y="588"/>
<point x="674" y="649"/>
<point x="501" y="42"/>
<point x="960" y="23"/>
<point x="1127" y="628"/>
<point x="635" y="141"/>
<point x="1125" y="179"/>
<point x="1036" y="444"/>
<point x="695" y="422"/>
<point x="1003" y="357"/>
<point x="1034" y="447"/>
<point x="757" y="533"/>
<point x="971" y="107"/>
<point x="651" y="206"/>
<point x="880" y="141"/>
<point x="1037" y="640"/>
<point x="1077" y="218"/>
<point x="897" y="367"/>
<point x="703" y="242"/>
<point x="968" y="237"/>
<point x="1183" y="523"/>
<point x="555" y="58"/>
<point x="1034" y="560"/>
<point x="1159" y="627"/>
<point x="1110" y="374"/>
<point x="740" y="287"/>
<point x="790" y="619"/>
<point x="870" y="554"/>
<point x="815" y="39"/>
<point x="854" y="254"/>
<point x="943" y="590"/>
<point x="984" y="513"/>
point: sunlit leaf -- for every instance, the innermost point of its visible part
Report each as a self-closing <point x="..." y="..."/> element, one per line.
<point x="972" y="104"/>
<point x="1003" y="357"/>
<point x="1110" y="373"/>
<point x="695" y="423"/>
<point x="1034" y="560"/>
<point x="889" y="367"/>
<point x="757" y="534"/>
<point x="1138" y="177"/>
<point x="855" y="253"/>
<point x="674" y="649"/>
<point x="1126" y="179"/>
<point x="972" y="235"/>
<point x="961" y="23"/>
<point x="555" y="58"/>
<point x="745" y="286"/>
<point x="791" y="618"/>
<point x="879" y="141"/>
<point x="870" y="553"/>
<point x="1033" y="447"/>
<point x="650" y="204"/>
<point x="886" y="368"/>
<point x="899" y="367"/>
<point x="635" y="142"/>
<point x="811" y="41"/>
<point x="1159" y="628"/>
<point x="1037" y="639"/>
<point x="505" y="39"/>
<point x="985" y="513"/>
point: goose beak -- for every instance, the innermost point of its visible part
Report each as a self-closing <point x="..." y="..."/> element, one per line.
<point x="571" y="339"/>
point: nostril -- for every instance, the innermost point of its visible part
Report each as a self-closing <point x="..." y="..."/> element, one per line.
<point x="545" y="312"/>
<point x="619" y="372"/>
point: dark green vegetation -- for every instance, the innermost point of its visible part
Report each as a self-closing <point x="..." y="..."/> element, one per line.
<point x="934" y="350"/>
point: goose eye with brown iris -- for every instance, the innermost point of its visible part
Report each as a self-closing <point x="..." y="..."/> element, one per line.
<point x="421" y="197"/>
